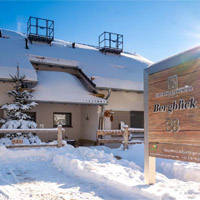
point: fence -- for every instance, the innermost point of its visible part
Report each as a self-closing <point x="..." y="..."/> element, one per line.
<point x="59" y="130"/>
<point x="124" y="132"/>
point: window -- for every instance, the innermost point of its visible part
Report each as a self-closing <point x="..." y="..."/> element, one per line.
<point x="32" y="115"/>
<point x="137" y="119"/>
<point x="63" y="119"/>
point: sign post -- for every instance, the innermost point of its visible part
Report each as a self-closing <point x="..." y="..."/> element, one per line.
<point x="172" y="114"/>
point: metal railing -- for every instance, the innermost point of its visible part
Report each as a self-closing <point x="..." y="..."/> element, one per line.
<point x="111" y="41"/>
<point x="40" y="29"/>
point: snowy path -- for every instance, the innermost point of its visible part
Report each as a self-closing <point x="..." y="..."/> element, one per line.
<point x="82" y="173"/>
<point x="41" y="180"/>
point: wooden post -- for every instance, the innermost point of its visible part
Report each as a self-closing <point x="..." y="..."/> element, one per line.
<point x="125" y="137"/>
<point x="149" y="166"/>
<point x="59" y="136"/>
<point x="149" y="162"/>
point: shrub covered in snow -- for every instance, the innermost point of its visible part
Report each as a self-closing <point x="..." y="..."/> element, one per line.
<point x="17" y="118"/>
<point x="27" y="139"/>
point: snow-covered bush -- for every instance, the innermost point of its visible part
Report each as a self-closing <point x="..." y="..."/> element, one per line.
<point x="17" y="118"/>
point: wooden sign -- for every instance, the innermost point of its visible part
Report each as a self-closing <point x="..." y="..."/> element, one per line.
<point x="173" y="112"/>
<point x="17" y="141"/>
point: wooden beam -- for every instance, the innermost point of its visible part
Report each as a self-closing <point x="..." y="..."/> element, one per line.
<point x="32" y="146"/>
<point x="110" y="141"/>
<point x="38" y="130"/>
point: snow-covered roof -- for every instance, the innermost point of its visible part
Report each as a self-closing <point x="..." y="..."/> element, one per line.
<point x="180" y="58"/>
<point x="120" y="72"/>
<point x="62" y="87"/>
<point x="116" y="84"/>
<point x="13" y="52"/>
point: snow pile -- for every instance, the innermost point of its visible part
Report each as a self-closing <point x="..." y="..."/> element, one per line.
<point x="34" y="154"/>
<point x="181" y="170"/>
<point x="96" y="173"/>
<point x="185" y="171"/>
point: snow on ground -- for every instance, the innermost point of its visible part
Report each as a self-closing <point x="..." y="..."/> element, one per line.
<point x="89" y="173"/>
<point x="185" y="171"/>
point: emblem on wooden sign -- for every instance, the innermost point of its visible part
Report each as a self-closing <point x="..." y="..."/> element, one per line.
<point x="172" y="82"/>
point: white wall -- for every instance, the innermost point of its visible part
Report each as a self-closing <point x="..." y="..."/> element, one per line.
<point x="122" y="101"/>
<point x="4" y="88"/>
<point x="81" y="127"/>
<point x="44" y="115"/>
<point x="89" y="127"/>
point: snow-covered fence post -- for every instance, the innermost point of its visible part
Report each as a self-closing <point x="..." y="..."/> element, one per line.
<point x="59" y="136"/>
<point x="125" y="136"/>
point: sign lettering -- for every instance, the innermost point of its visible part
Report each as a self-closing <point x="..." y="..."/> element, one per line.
<point x="172" y="125"/>
<point x="180" y="105"/>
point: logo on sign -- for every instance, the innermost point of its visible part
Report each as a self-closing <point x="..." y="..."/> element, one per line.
<point x="173" y="82"/>
<point x="154" y="147"/>
<point x="173" y="89"/>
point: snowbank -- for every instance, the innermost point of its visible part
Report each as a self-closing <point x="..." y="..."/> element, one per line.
<point x="185" y="171"/>
<point x="97" y="169"/>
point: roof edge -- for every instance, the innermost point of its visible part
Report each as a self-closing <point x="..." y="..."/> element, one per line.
<point x="65" y="102"/>
<point x="120" y="89"/>
<point x="191" y="56"/>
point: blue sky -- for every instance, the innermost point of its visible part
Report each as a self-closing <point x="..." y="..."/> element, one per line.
<point x="153" y="29"/>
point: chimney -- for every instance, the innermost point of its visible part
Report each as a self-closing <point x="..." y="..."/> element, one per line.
<point x="26" y="43"/>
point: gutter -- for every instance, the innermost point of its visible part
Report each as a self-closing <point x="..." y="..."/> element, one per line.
<point x="119" y="89"/>
<point x="108" y="95"/>
<point x="101" y="118"/>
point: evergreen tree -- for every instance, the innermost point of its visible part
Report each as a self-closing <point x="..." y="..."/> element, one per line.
<point x="16" y="111"/>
